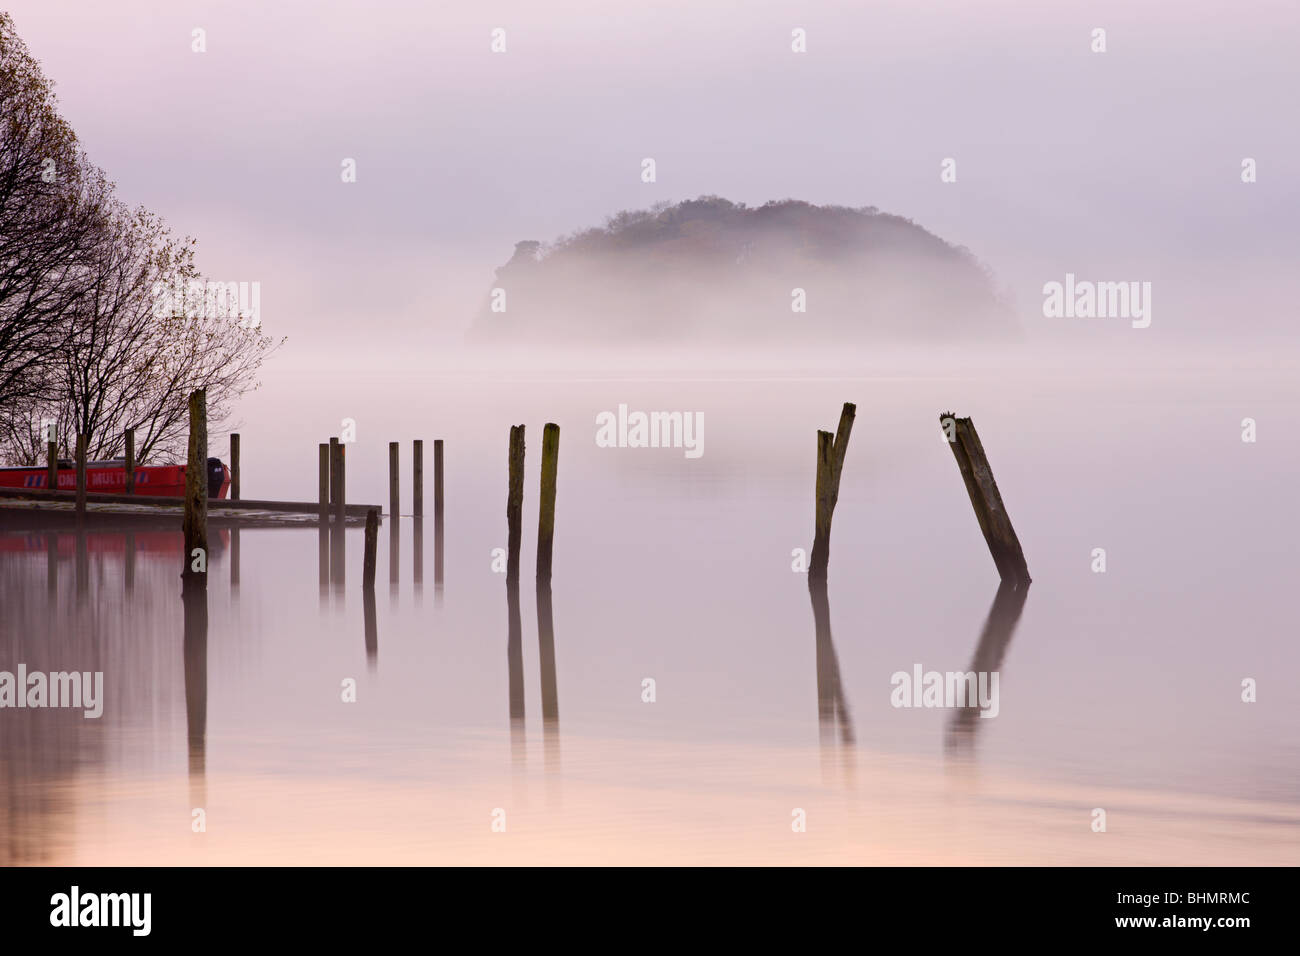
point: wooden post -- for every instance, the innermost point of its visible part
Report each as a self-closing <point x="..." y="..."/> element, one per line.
<point x="195" y="522"/>
<point x="394" y="497"/>
<point x="52" y="456"/>
<point x="546" y="506"/>
<point x="372" y="542"/>
<point x="81" y="478"/>
<point x="417" y="478"/>
<point x="985" y="498"/>
<point x="234" y="466"/>
<point x="324" y="490"/>
<point x="340" y="503"/>
<point x="830" y="464"/>
<point x="437" y="516"/>
<point x="515" y="503"/>
<point x="334" y="472"/>
<point x="130" y="461"/>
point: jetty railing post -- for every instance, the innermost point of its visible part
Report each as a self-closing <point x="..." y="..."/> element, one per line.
<point x="129" y="435"/>
<point x="985" y="498"/>
<point x="546" y="504"/>
<point x="417" y="478"/>
<point x="234" y="466"/>
<point x="372" y="542"/>
<point x="394" y="497"/>
<point x="81" y="477"/>
<point x="340" y="502"/>
<point x="324" y="482"/>
<point x="195" y="522"/>
<point x="437" y="515"/>
<point x="52" y="463"/>
<point x="831" y="450"/>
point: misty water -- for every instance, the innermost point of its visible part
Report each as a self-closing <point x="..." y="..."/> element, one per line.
<point x="1119" y="690"/>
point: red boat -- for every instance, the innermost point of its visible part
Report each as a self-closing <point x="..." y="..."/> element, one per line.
<point x="109" y="477"/>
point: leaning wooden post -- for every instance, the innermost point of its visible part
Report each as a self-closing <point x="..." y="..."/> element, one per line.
<point x="417" y="478"/>
<point x="831" y="450"/>
<point x="394" y="497"/>
<point x="52" y="479"/>
<point x="372" y="542"/>
<point x="129" y="435"/>
<point x="985" y="498"/>
<point x="81" y="478"/>
<point x="546" y="506"/>
<point x="195" y="523"/>
<point x="234" y="466"/>
<point x="515" y="503"/>
<point x="324" y="489"/>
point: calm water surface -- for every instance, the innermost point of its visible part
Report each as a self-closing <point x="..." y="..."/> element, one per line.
<point x="1119" y="691"/>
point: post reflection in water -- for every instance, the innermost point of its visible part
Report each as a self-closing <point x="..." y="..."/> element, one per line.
<point x="550" y="692"/>
<point x="234" y="558"/>
<point x="832" y="707"/>
<point x="515" y="662"/>
<point x="417" y="555"/>
<point x="394" y="555"/>
<point x="999" y="627"/>
<point x="323" y="561"/>
<point x="128" y="572"/>
<point x="195" y="601"/>
<point x="338" y="554"/>
<point x="372" y="628"/>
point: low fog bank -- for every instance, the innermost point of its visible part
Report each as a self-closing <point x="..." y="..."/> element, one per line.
<point x="710" y="270"/>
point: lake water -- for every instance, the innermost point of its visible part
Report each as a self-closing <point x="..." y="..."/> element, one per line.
<point x="1120" y="691"/>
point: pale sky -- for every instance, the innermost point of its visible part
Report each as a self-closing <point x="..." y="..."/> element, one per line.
<point x="1123" y="165"/>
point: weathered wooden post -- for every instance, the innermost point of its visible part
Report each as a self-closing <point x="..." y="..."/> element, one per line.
<point x="437" y="516"/>
<point x="546" y="506"/>
<point x="372" y="542"/>
<point x="985" y="498"/>
<point x="324" y="483"/>
<point x="334" y="473"/>
<point x="234" y="466"/>
<point x="52" y="453"/>
<point x="195" y="523"/>
<point x="515" y="503"/>
<point x="81" y="478"/>
<point x="394" y="497"/>
<point x="830" y="464"/>
<point x="130" y="460"/>
<point x="340" y="503"/>
<point x="417" y="478"/>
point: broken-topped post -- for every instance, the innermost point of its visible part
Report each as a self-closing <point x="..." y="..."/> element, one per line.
<point x="194" y="574"/>
<point x="372" y="542"/>
<point x="417" y="478"/>
<point x="81" y="478"/>
<point x="830" y="464"/>
<point x="234" y="466"/>
<point x="985" y="498"/>
<point x="546" y="504"/>
<point x="515" y="503"/>
<point x="52" y="479"/>
<point x="394" y="498"/>
<point x="129" y="435"/>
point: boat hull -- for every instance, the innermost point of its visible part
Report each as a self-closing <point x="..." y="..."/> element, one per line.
<point x="165" y="481"/>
